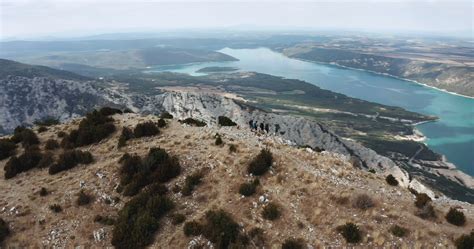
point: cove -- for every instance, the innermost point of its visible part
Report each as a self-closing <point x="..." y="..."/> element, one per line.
<point x="452" y="135"/>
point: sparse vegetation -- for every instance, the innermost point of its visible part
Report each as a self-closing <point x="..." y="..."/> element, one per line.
<point x="225" y="121"/>
<point x="7" y="148"/>
<point x="271" y="211"/>
<point x="126" y="135"/>
<point x="177" y="218"/>
<point x="191" y="182"/>
<point x="48" y="121"/>
<point x="421" y="200"/>
<point x="166" y="115"/>
<point x="70" y="159"/>
<point x="363" y="202"/>
<point x="193" y="122"/>
<point x="261" y="163"/>
<point x="249" y="188"/>
<point x="192" y="228"/>
<point x="292" y="243"/>
<point x="465" y="241"/>
<point x="426" y="212"/>
<point x="56" y="208"/>
<point x="4" y="230"/>
<point x="51" y="144"/>
<point x="108" y="111"/>
<point x="455" y="217"/>
<point x="83" y="198"/>
<point x="42" y="129"/>
<point x="146" y="129"/>
<point x="398" y="231"/>
<point x="350" y="232"/>
<point x="232" y="148"/>
<point x="43" y="192"/>
<point x="391" y="180"/>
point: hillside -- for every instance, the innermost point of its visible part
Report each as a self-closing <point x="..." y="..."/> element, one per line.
<point x="314" y="193"/>
<point x="13" y="68"/>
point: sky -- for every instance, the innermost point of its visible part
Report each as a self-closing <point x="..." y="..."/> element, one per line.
<point x="33" y="18"/>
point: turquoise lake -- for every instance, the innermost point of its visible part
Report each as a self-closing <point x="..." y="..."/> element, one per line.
<point x="452" y="135"/>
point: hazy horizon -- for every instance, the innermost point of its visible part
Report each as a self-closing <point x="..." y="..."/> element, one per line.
<point x="22" y="19"/>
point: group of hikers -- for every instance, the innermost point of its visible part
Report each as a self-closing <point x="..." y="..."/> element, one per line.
<point x="254" y="126"/>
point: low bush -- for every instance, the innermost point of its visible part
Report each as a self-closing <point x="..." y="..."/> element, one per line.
<point x="42" y="129"/>
<point x="398" y="231"/>
<point x="28" y="160"/>
<point x="465" y="241"/>
<point x="104" y="220"/>
<point x="218" y="140"/>
<point x="146" y="129"/>
<point x="139" y="219"/>
<point x="46" y="160"/>
<point x="391" y="180"/>
<point x="350" y="232"/>
<point x="43" y="192"/>
<point x="192" y="228"/>
<point x="4" y="230"/>
<point x="271" y="211"/>
<point x="232" y="148"/>
<point x="56" y="208"/>
<point x="191" y="182"/>
<point x="292" y="243"/>
<point x="126" y="135"/>
<point x="220" y="228"/>
<point x="7" y="148"/>
<point x="261" y="163"/>
<point x="48" y="121"/>
<point x="177" y="218"/>
<point x="161" y="123"/>
<point x="70" y="159"/>
<point x="421" y="200"/>
<point x="26" y="136"/>
<point x="248" y="188"/>
<point x="363" y="202"/>
<point x="83" y="198"/>
<point x="62" y="134"/>
<point x="225" y="121"/>
<point x="456" y="217"/>
<point x="193" y="122"/>
<point x="426" y="212"/>
<point x="51" y="144"/>
<point x="257" y="236"/>
<point x="166" y="115"/>
<point x="108" y="111"/>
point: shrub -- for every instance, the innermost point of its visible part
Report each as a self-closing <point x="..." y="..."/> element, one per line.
<point x="51" y="144"/>
<point x="465" y="241"/>
<point x="28" y="160"/>
<point x="191" y="182"/>
<point x="61" y="134"/>
<point x="42" y="129"/>
<point x="104" y="220"/>
<point x="192" y="228"/>
<point x="232" y="148"/>
<point x="455" y="217"/>
<point x="126" y="135"/>
<point x="372" y="171"/>
<point x="43" y="192"/>
<point x="426" y="212"/>
<point x="139" y="219"/>
<point x="83" y="198"/>
<point x="48" y="121"/>
<point x="92" y="129"/>
<point x="166" y="115"/>
<point x="391" y="180"/>
<point x="271" y="211"/>
<point x="161" y="123"/>
<point x="46" y="160"/>
<point x="7" y="148"/>
<point x="350" y="232"/>
<point x="421" y="200"/>
<point x="261" y="163"/>
<point x="56" y="208"/>
<point x="220" y="228"/>
<point x="218" y="140"/>
<point x="193" y="122"/>
<point x="165" y="167"/>
<point x="398" y="231"/>
<point x="26" y="136"/>
<point x="248" y="188"/>
<point x="257" y="236"/>
<point x="292" y="243"/>
<point x="146" y="129"/>
<point x="225" y="121"/>
<point x="363" y="202"/>
<point x="177" y="218"/>
<point x="4" y="230"/>
<point x="107" y="111"/>
<point x="70" y="159"/>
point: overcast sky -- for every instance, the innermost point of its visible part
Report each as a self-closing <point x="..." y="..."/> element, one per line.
<point x="29" y="18"/>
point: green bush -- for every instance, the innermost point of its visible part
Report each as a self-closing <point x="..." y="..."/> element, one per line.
<point x="391" y="180"/>
<point x="261" y="163"/>
<point x="421" y="200"/>
<point x="248" y="188"/>
<point x="28" y="160"/>
<point x="104" y="220"/>
<point x="426" y="212"/>
<point x="126" y="135"/>
<point x="292" y="243"/>
<point x="192" y="228"/>
<point x="46" y="160"/>
<point x="56" y="208"/>
<point x="177" y="218"/>
<point x="398" y="231"/>
<point x="225" y="121"/>
<point x="43" y="192"/>
<point x="193" y="122"/>
<point x="4" y="230"/>
<point x="70" y="159"/>
<point x="83" y="198"/>
<point x="232" y="148"/>
<point x="108" y="111"/>
<point x="92" y="129"/>
<point x="7" y="148"/>
<point x="42" y="129"/>
<point x="271" y="211"/>
<point x="455" y="217"/>
<point x="161" y="123"/>
<point x="363" y="202"/>
<point x="62" y="134"/>
<point x="51" y="144"/>
<point x="350" y="232"/>
<point x="465" y="241"/>
<point x="220" y="228"/>
<point x="139" y="219"/>
<point x="218" y="140"/>
<point x="166" y="115"/>
<point x="191" y="182"/>
<point x="48" y="121"/>
<point x="146" y="129"/>
<point x="26" y="136"/>
<point x="257" y="236"/>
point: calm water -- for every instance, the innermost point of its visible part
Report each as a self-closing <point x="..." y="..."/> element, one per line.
<point x="452" y="135"/>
